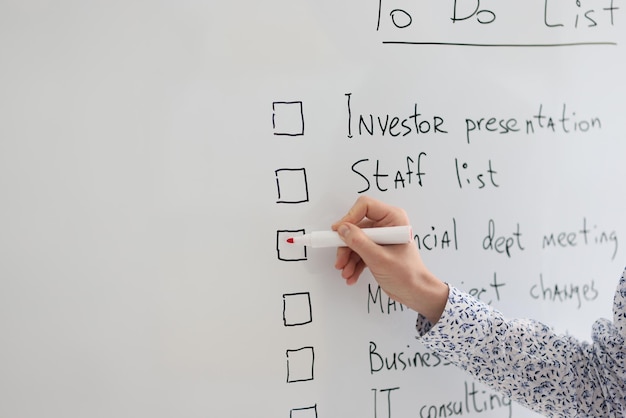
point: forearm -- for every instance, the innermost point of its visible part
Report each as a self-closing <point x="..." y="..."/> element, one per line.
<point x="523" y="359"/>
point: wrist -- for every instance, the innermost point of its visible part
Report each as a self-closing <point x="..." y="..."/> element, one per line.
<point x="432" y="295"/>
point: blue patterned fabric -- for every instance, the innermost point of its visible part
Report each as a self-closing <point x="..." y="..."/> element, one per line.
<point x="555" y="375"/>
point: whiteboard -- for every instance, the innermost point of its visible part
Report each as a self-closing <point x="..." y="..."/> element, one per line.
<point x="153" y="156"/>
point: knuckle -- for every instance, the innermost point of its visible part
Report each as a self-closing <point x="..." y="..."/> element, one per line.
<point x="356" y="241"/>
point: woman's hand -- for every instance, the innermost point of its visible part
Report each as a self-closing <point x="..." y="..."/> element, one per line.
<point x="398" y="269"/>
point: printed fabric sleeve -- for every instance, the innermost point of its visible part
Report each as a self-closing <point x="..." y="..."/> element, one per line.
<point x="552" y="374"/>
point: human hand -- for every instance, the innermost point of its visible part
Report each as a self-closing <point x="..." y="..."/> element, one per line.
<point x="398" y="269"/>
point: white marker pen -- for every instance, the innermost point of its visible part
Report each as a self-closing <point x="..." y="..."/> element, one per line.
<point x="384" y="235"/>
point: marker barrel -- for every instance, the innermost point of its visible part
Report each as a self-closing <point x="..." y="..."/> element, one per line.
<point x="384" y="236"/>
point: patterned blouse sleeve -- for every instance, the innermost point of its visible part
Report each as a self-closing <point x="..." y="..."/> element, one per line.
<point x="553" y="374"/>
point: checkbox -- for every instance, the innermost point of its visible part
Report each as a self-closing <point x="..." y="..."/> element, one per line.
<point x="300" y="364"/>
<point x="297" y="309"/>
<point x="290" y="252"/>
<point x="308" y="412"/>
<point x="288" y="118"/>
<point x="292" y="185"/>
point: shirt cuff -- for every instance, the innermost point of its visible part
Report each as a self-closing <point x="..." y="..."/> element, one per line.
<point x="463" y="315"/>
<point x="424" y="326"/>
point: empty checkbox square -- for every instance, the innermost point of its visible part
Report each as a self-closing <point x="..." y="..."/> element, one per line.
<point x="291" y="184"/>
<point x="297" y="309"/>
<point x="308" y="412"/>
<point x="300" y="363"/>
<point x="288" y="118"/>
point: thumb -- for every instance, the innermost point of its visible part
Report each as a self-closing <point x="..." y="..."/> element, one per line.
<point x="358" y="241"/>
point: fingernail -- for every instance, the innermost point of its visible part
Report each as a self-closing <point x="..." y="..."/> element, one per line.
<point x="343" y="231"/>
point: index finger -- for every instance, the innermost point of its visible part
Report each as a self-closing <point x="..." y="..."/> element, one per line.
<point x="380" y="213"/>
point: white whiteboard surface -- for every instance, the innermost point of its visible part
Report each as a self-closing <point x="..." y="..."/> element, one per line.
<point x="152" y="154"/>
